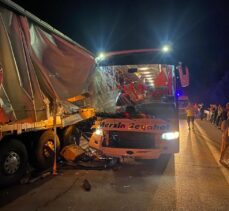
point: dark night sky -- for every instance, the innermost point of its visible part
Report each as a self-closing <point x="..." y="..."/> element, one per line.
<point x="197" y="29"/>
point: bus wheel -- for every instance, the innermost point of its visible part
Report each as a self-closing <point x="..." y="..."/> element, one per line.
<point x="13" y="161"/>
<point x="71" y="135"/>
<point x="45" y="149"/>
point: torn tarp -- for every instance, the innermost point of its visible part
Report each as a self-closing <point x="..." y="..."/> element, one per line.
<point x="38" y="66"/>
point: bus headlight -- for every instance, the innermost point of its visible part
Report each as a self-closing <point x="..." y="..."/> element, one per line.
<point x="170" y="135"/>
<point x="99" y="131"/>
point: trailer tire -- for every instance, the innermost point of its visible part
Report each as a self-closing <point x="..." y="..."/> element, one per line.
<point x="44" y="151"/>
<point x="71" y="135"/>
<point x="13" y="161"/>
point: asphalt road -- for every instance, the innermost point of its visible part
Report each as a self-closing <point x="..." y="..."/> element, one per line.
<point x="190" y="180"/>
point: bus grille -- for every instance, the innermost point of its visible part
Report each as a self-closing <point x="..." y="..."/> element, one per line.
<point x="131" y="140"/>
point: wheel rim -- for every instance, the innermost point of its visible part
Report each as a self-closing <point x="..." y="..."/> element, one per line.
<point x="48" y="149"/>
<point x="12" y="163"/>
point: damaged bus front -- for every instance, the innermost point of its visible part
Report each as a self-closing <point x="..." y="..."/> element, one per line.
<point x="143" y="121"/>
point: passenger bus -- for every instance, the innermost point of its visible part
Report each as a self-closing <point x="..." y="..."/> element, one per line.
<point x="146" y="124"/>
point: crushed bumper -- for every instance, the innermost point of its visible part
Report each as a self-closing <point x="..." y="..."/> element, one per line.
<point x="133" y="153"/>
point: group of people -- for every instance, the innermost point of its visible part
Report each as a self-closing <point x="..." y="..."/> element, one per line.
<point x="217" y="115"/>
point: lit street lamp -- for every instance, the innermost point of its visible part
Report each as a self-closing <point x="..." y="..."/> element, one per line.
<point x="166" y="48"/>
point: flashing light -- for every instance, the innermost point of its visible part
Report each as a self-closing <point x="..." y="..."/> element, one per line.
<point x="178" y="93"/>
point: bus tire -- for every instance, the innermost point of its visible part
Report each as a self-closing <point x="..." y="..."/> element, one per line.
<point x="44" y="150"/>
<point x="13" y="161"/>
<point x="71" y="135"/>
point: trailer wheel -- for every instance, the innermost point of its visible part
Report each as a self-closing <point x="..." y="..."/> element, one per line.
<point x="13" y="161"/>
<point x="44" y="151"/>
<point x="71" y="135"/>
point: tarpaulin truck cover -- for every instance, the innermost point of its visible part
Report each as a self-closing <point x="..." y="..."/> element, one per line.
<point x="38" y="66"/>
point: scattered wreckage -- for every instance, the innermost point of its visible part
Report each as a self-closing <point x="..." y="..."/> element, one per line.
<point x="143" y="137"/>
<point x="144" y="126"/>
<point x="143" y="121"/>
<point x="61" y="91"/>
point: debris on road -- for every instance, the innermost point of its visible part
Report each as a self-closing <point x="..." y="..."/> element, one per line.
<point x="40" y="176"/>
<point x="126" y="186"/>
<point x="72" y="152"/>
<point x="88" y="158"/>
<point x="74" y="156"/>
<point x="86" y="185"/>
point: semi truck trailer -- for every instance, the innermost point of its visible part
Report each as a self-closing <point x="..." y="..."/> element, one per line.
<point x="42" y="73"/>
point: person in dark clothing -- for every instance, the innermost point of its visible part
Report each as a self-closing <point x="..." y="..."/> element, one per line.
<point x="202" y="112"/>
<point x="224" y="113"/>
<point x="219" y="116"/>
<point x="213" y="114"/>
<point x="225" y="140"/>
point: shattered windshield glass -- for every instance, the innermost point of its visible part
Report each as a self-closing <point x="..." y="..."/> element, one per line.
<point x="155" y="110"/>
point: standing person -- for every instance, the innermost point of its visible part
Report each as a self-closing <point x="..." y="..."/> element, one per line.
<point x="196" y="110"/>
<point x="225" y="138"/>
<point x="215" y="114"/>
<point x="212" y="114"/>
<point x="202" y="111"/>
<point x="190" y="111"/>
<point x="224" y="113"/>
<point x="219" y="116"/>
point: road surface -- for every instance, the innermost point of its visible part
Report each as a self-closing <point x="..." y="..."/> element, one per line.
<point x="190" y="180"/>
